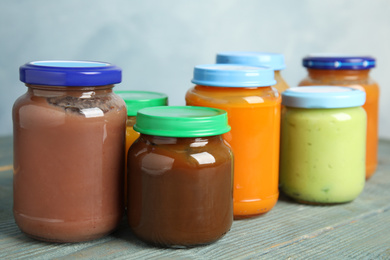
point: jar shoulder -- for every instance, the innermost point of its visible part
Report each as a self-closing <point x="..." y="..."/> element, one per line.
<point x="192" y="155"/>
<point x="336" y="115"/>
<point x="367" y="83"/>
<point x="228" y="96"/>
<point x="32" y="111"/>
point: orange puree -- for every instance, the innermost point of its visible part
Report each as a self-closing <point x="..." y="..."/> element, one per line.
<point x="358" y="79"/>
<point x="131" y="134"/>
<point x="254" y="116"/>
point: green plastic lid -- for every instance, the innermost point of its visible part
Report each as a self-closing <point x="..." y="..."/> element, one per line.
<point x="135" y="100"/>
<point x="182" y="121"/>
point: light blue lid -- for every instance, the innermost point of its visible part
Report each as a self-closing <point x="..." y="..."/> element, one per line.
<point x="323" y="97"/>
<point x="253" y="58"/>
<point x="233" y="75"/>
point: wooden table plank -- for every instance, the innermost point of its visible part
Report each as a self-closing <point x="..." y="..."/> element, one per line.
<point x="360" y="229"/>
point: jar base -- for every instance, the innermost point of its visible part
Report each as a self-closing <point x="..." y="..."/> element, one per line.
<point x="63" y="241"/>
<point x="66" y="232"/>
<point x="321" y="203"/>
<point x="254" y="208"/>
<point x="241" y="217"/>
<point x="179" y="245"/>
<point x="370" y="171"/>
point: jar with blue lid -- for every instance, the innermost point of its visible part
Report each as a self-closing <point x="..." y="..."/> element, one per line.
<point x="323" y="136"/>
<point x="69" y="147"/>
<point x="349" y="71"/>
<point x="274" y="61"/>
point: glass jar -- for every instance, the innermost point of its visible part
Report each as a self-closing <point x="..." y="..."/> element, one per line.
<point x="253" y="108"/>
<point x="323" y="140"/>
<point x="350" y="71"/>
<point x="135" y="100"/>
<point x="69" y="136"/>
<point x="258" y="59"/>
<point x="180" y="176"/>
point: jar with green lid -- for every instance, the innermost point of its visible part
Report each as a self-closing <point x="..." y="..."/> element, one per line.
<point x="323" y="137"/>
<point x="180" y="176"/>
<point x="135" y="100"/>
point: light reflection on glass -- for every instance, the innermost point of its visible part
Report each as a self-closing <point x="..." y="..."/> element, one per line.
<point x="92" y="112"/>
<point x="254" y="99"/>
<point x="156" y="164"/>
<point x="199" y="144"/>
<point x="342" y="116"/>
<point x="87" y="94"/>
<point x="204" y="158"/>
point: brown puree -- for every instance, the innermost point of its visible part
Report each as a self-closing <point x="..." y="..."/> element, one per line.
<point x="68" y="162"/>
<point x="180" y="190"/>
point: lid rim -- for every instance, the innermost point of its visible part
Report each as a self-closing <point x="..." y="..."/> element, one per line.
<point x="181" y="121"/>
<point x="215" y="84"/>
<point x="183" y="135"/>
<point x="339" y="62"/>
<point x="91" y="74"/>
<point x="323" y="97"/>
<point x="233" y="75"/>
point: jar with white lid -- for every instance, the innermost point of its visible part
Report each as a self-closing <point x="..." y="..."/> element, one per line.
<point x="323" y="136"/>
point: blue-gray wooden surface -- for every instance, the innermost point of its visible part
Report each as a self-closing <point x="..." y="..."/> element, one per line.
<point x="357" y="230"/>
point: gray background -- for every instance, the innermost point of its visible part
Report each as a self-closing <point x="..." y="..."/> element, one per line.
<point x="157" y="43"/>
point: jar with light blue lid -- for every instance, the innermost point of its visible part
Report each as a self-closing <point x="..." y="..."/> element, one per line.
<point x="323" y="138"/>
<point x="231" y="75"/>
<point x="253" y="108"/>
<point x="258" y="59"/>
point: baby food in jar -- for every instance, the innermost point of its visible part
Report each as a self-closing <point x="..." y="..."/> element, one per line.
<point x="253" y="108"/>
<point x="135" y="100"/>
<point x="69" y="146"/>
<point x="323" y="135"/>
<point x="350" y="71"/>
<point x="180" y="176"/>
<point x="258" y="59"/>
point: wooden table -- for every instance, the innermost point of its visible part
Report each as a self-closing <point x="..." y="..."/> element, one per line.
<point x="356" y="230"/>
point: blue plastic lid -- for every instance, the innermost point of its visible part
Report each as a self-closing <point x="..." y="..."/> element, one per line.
<point x="70" y="73"/>
<point x="323" y="97"/>
<point x="233" y="75"/>
<point x="252" y="58"/>
<point x="338" y="62"/>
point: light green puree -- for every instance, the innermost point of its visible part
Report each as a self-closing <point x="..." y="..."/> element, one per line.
<point x="323" y="154"/>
